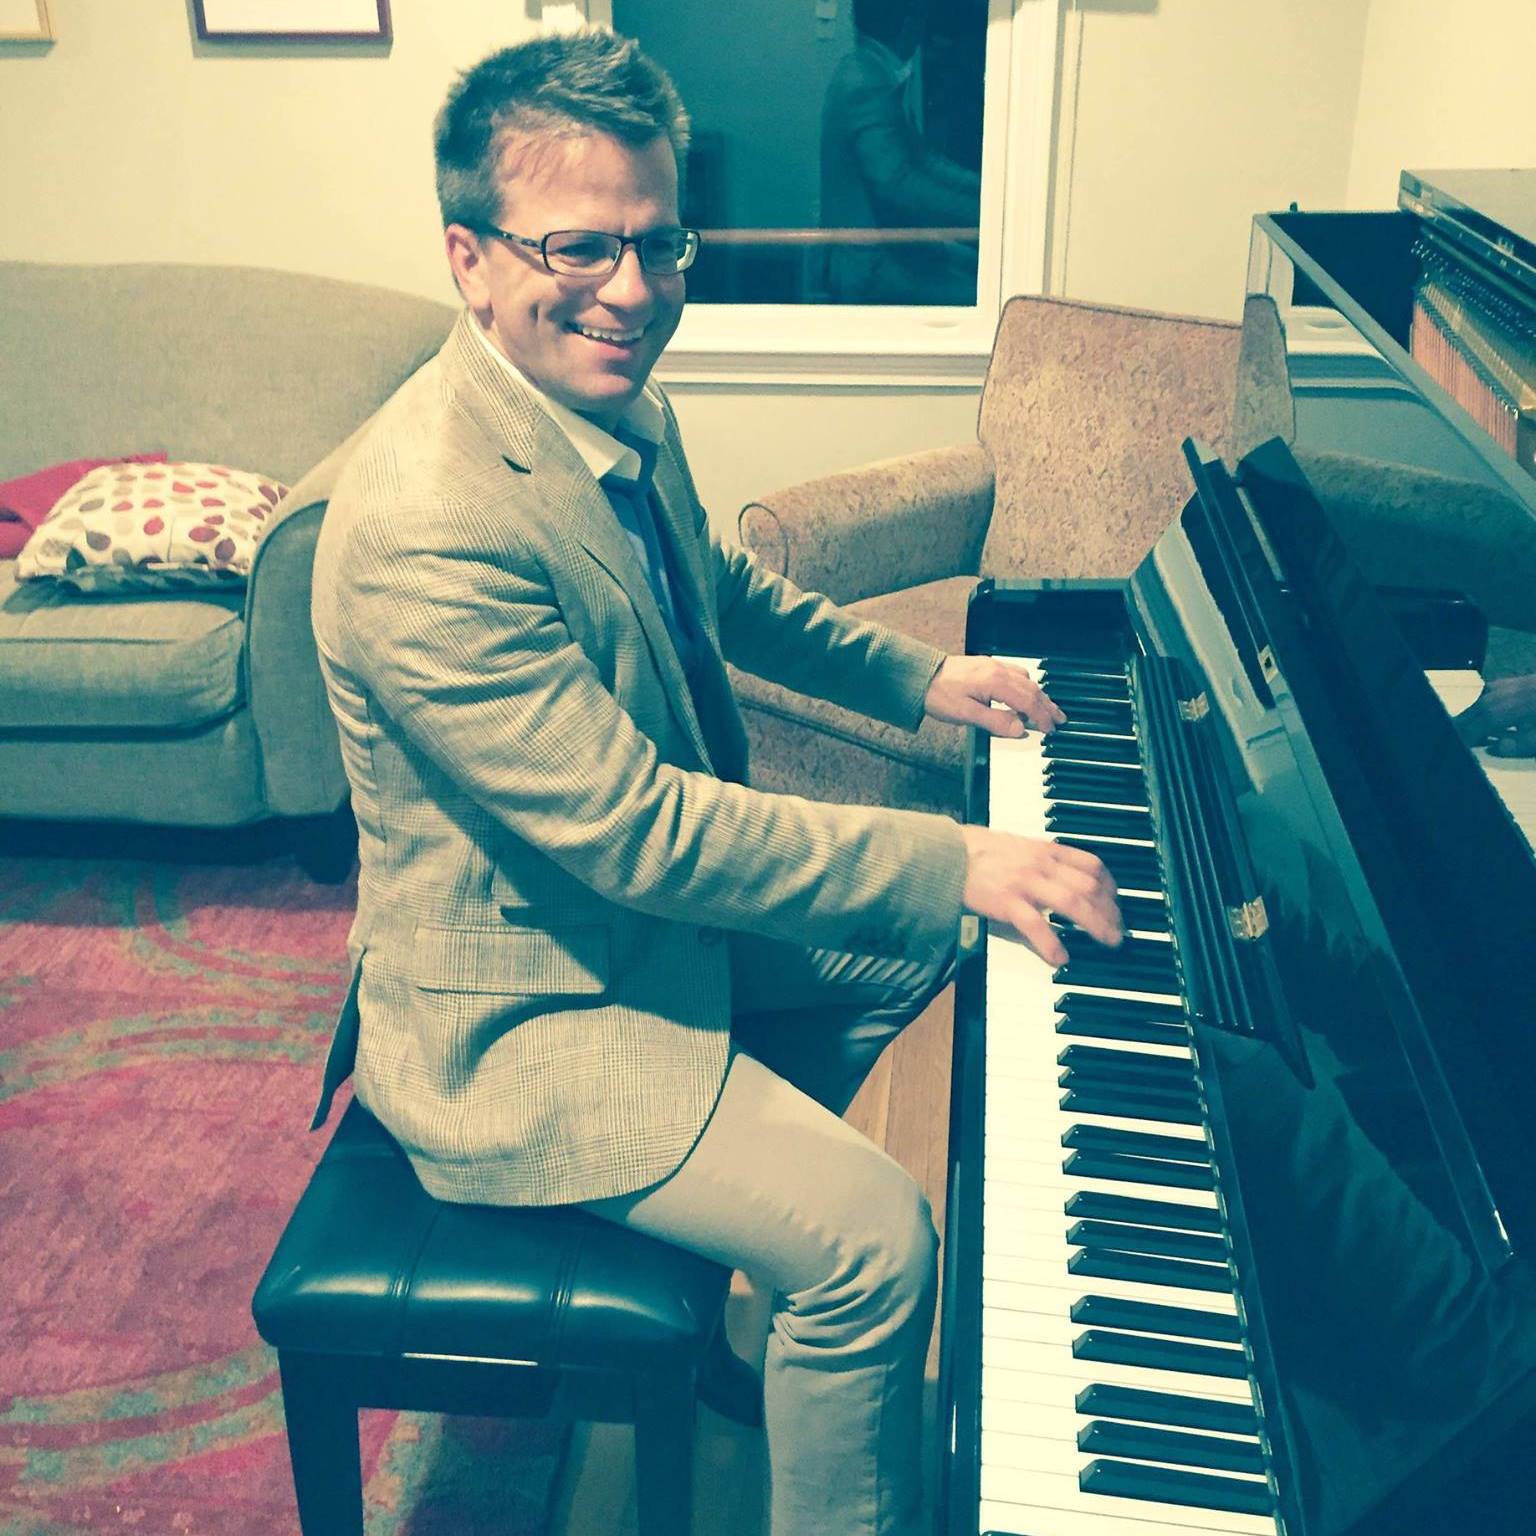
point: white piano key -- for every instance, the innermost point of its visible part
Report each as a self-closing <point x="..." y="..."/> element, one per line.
<point x="1014" y="1291"/>
<point x="1035" y="1358"/>
<point x="1050" y="1422"/>
<point x="1020" y="1519"/>
<point x="1049" y="1273"/>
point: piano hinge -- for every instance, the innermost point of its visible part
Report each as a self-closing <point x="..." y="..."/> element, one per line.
<point x="1249" y="921"/>
<point x="1267" y="664"/>
<point x="1196" y="708"/>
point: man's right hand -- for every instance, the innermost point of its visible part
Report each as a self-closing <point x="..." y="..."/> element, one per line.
<point x="1015" y="881"/>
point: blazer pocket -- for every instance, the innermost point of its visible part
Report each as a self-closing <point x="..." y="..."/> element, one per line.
<point x="513" y="962"/>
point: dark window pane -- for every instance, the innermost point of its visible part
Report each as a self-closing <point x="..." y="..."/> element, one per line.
<point x="836" y="145"/>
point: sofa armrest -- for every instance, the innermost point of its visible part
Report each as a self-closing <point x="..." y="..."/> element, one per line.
<point x="1412" y="527"/>
<point x="300" y="750"/>
<point x="879" y="528"/>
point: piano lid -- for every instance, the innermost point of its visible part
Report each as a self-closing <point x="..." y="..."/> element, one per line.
<point x="1372" y="1114"/>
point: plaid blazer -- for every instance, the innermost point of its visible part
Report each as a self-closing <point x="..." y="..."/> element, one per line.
<point x="554" y="830"/>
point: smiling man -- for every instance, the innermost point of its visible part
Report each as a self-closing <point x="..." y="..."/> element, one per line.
<point x="591" y="964"/>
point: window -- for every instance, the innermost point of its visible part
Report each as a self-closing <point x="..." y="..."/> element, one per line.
<point x="847" y="173"/>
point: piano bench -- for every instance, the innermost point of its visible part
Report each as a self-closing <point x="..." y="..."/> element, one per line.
<point x="379" y="1296"/>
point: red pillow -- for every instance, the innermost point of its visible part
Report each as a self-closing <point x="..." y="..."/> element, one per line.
<point x="26" y="501"/>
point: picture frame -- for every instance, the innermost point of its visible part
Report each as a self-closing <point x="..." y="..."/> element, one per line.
<point x="291" y="21"/>
<point x="25" y="21"/>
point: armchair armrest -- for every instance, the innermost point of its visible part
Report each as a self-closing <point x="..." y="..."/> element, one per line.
<point x="879" y="528"/>
<point x="300" y="750"/>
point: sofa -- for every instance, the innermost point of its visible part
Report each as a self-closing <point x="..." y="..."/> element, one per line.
<point x="201" y="709"/>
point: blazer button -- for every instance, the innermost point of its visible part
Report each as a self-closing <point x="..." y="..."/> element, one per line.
<point x="710" y="936"/>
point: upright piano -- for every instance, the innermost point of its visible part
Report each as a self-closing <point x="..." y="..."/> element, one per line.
<point x="1241" y="1225"/>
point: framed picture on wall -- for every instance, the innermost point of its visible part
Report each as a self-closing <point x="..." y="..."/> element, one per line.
<point x="24" y="21"/>
<point x="290" y="21"/>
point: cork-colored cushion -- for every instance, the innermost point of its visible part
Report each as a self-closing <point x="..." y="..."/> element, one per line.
<point x="1083" y="413"/>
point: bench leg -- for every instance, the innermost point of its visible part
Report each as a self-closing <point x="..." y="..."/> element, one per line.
<point x="323" y="1447"/>
<point x="664" y="1422"/>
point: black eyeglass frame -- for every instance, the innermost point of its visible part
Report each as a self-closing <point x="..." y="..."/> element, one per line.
<point x="691" y="239"/>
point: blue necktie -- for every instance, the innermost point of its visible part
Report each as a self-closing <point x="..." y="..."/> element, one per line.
<point x="633" y="504"/>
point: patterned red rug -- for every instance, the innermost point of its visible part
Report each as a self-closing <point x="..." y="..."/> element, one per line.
<point x="161" y="1030"/>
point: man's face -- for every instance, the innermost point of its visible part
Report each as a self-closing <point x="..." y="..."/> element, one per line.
<point x="589" y="343"/>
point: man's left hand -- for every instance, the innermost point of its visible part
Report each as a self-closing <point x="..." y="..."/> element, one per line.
<point x="965" y="689"/>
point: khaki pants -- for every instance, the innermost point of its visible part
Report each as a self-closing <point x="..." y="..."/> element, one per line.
<point x="780" y="1187"/>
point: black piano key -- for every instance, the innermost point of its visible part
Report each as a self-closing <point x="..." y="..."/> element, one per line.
<point x="1087" y="712"/>
<point x="1122" y="1237"/>
<point x="1148" y="1144"/>
<point x="1088" y="1005"/>
<point x="1149" y="1269"/>
<point x="1091" y="664"/>
<point x="1086" y="1205"/>
<point x="1096" y="783"/>
<point x="1109" y="1347"/>
<point x="1140" y="914"/>
<point x="1102" y="1401"/>
<point x="1139" y="1210"/>
<point x="1099" y="679"/>
<point x="1170" y="1071"/>
<point x="1130" y="1090"/>
<point x="1108" y="781"/>
<point x="1115" y="1029"/>
<point x="1130" y="864"/>
<point x="1164" y="1485"/>
<point x="1073" y="746"/>
<point x="1127" y="1106"/>
<point x="1109" y="968"/>
<point x="1099" y="821"/>
<point x="1104" y="1437"/>
<point x="1149" y="1317"/>
<point x="1149" y="959"/>
<point x="1144" y="914"/>
<point x="1138" y="1170"/>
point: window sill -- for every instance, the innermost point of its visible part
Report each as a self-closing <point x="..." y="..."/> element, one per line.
<point x="760" y="368"/>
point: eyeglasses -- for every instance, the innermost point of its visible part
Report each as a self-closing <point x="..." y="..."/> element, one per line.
<point x="592" y="253"/>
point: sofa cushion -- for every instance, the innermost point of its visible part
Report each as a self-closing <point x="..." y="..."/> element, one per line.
<point x="119" y="663"/>
<point x="933" y="611"/>
<point x="162" y="526"/>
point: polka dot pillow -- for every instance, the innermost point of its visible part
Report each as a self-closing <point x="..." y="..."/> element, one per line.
<point x="153" y="525"/>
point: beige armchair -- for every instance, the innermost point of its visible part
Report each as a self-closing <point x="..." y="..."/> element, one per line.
<point x="1075" y="472"/>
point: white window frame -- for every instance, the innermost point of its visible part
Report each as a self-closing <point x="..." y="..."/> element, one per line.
<point x="917" y="345"/>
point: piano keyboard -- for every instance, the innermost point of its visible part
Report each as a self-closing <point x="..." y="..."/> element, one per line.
<point x="1115" y="1395"/>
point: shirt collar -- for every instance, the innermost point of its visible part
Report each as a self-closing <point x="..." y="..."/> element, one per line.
<point x="599" y="450"/>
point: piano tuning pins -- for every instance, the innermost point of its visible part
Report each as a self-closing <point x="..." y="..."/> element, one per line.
<point x="1248" y="921"/>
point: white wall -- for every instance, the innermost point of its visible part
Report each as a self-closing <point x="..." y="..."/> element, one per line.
<point x="1444" y="85"/>
<point x="126" y="141"/>
<point x="1184" y="118"/>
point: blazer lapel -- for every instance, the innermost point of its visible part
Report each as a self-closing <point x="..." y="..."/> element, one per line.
<point x="586" y="513"/>
<point x="571" y="499"/>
